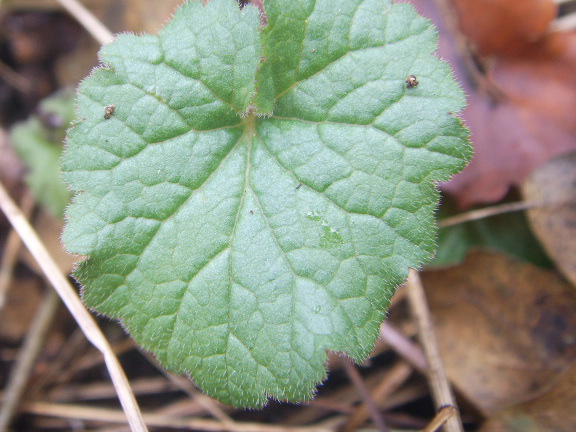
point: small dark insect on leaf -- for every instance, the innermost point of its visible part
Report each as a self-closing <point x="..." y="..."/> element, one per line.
<point x="411" y="81"/>
<point x="108" y="111"/>
<point x="299" y="185"/>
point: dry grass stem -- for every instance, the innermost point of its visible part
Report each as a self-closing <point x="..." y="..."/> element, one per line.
<point x="73" y="303"/>
<point x="12" y="249"/>
<point x="444" y="414"/>
<point x="486" y="212"/>
<point x="186" y="386"/>
<point x="24" y="365"/>
<point x="104" y="390"/>
<point x="404" y="347"/>
<point x="365" y="395"/>
<point x="57" y="371"/>
<point x="196" y="424"/>
<point x="92" y="24"/>
<point x="440" y="388"/>
<point x="497" y="210"/>
<point x="393" y="379"/>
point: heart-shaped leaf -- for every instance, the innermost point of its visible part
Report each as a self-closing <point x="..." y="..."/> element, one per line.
<point x="251" y="199"/>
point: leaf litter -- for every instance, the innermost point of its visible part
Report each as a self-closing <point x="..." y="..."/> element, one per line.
<point x="336" y="397"/>
<point x="531" y="70"/>
<point x="553" y="186"/>
<point x="496" y="354"/>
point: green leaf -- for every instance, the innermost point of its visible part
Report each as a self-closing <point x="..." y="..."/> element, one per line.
<point x="38" y="141"/>
<point x="240" y="247"/>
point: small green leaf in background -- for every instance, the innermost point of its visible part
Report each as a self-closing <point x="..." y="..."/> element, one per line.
<point x="252" y="199"/>
<point x="38" y="141"/>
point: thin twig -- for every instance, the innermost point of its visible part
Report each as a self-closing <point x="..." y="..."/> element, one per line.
<point x="58" y="369"/>
<point x="104" y="390"/>
<point x="92" y="24"/>
<point x="404" y="347"/>
<point x="187" y="387"/>
<point x="441" y="391"/>
<point x="73" y="303"/>
<point x="360" y="385"/>
<point x="444" y="414"/>
<point x="163" y="421"/>
<point x="397" y="375"/>
<point x="12" y="249"/>
<point x="89" y="361"/>
<point x="487" y="212"/>
<point x="27" y="357"/>
<point x="498" y="210"/>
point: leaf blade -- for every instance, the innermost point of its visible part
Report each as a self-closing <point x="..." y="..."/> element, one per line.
<point x="240" y="248"/>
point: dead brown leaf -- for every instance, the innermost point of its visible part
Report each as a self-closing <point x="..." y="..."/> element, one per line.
<point x="554" y="410"/>
<point x="503" y="27"/>
<point x="511" y="137"/>
<point x="505" y="328"/>
<point x="555" y="224"/>
<point x="531" y="122"/>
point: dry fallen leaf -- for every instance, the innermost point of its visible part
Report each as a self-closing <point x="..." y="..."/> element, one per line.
<point x="555" y="224"/>
<point x="504" y="27"/>
<point x="553" y="411"/>
<point x="532" y="122"/>
<point x="505" y="328"/>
